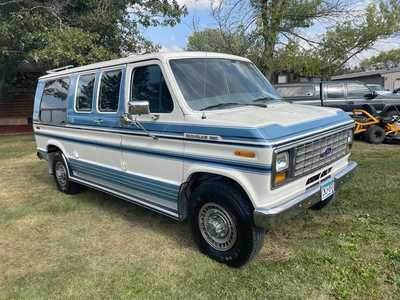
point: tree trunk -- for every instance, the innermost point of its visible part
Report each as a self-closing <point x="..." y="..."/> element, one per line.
<point x="270" y="31"/>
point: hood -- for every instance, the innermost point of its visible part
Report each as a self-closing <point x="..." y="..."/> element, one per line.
<point x="277" y="121"/>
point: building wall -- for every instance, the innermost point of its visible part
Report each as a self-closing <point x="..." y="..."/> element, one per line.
<point x="392" y="80"/>
<point x="16" y="109"/>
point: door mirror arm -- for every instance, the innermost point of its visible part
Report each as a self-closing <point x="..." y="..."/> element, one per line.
<point x="135" y="109"/>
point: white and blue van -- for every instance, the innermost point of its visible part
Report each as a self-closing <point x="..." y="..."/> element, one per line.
<point x="195" y="136"/>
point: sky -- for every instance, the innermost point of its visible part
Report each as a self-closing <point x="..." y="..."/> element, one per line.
<point x="175" y="38"/>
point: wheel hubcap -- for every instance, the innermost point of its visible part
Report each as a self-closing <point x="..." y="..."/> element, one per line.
<point x="61" y="174"/>
<point x="217" y="227"/>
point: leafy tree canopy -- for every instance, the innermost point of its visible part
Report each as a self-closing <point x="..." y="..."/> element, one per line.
<point x="384" y="60"/>
<point x="55" y="33"/>
<point x="273" y="33"/>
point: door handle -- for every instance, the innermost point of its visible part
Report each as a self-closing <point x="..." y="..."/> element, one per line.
<point x="350" y="102"/>
<point x="99" y="121"/>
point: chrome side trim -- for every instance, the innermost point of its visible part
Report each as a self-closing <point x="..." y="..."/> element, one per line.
<point x="269" y="217"/>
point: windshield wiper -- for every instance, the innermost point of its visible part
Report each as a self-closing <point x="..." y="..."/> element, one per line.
<point x="220" y="105"/>
<point x="256" y="104"/>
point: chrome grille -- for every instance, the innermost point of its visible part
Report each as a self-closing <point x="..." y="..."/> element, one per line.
<point x="313" y="155"/>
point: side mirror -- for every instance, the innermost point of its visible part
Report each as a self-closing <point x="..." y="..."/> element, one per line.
<point x="138" y="107"/>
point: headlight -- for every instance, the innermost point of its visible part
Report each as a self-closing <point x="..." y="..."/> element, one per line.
<point x="282" y="162"/>
<point x="350" y="140"/>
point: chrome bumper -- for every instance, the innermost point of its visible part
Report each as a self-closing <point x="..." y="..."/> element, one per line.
<point x="268" y="217"/>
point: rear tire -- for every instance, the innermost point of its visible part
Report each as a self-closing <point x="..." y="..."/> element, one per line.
<point x="221" y="219"/>
<point x="390" y="114"/>
<point x="61" y="176"/>
<point x="375" y="134"/>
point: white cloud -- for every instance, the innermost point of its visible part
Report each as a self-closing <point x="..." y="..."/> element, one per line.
<point x="379" y="46"/>
<point x="198" y="4"/>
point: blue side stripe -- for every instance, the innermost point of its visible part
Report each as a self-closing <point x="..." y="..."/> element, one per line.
<point x="127" y="180"/>
<point x="249" y="167"/>
<point x="240" y="136"/>
<point x="272" y="132"/>
<point x="116" y="195"/>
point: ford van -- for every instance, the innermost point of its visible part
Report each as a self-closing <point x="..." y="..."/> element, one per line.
<point x="201" y="137"/>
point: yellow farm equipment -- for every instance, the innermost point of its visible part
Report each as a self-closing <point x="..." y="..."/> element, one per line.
<point x="375" y="129"/>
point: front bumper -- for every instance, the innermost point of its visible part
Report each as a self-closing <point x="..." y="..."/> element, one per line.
<point x="269" y="217"/>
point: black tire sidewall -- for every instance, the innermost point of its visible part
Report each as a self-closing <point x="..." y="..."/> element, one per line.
<point x="58" y="158"/>
<point x="232" y="201"/>
<point x="371" y="134"/>
<point x="391" y="113"/>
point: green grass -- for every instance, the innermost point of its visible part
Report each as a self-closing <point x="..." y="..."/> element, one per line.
<point x="92" y="245"/>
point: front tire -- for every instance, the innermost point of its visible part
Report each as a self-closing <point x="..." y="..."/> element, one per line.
<point x="61" y="176"/>
<point x="222" y="224"/>
<point x="375" y="134"/>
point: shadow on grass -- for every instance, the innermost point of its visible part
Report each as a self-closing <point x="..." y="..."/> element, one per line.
<point x="135" y="214"/>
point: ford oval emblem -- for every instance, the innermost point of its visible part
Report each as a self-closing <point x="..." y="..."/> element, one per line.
<point x="327" y="152"/>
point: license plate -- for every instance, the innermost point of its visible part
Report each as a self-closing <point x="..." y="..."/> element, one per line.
<point x="327" y="189"/>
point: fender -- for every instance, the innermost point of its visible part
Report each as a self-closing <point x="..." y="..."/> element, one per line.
<point x="55" y="143"/>
<point x="235" y="175"/>
<point x="370" y="108"/>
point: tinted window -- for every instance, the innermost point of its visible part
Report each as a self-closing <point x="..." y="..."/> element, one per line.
<point x="296" y="91"/>
<point x="84" y="92"/>
<point x="53" y="107"/>
<point x="148" y="84"/>
<point x="109" y="91"/>
<point x="335" y="90"/>
<point x="357" y="90"/>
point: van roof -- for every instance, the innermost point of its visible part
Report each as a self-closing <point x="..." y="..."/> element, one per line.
<point x="137" y="58"/>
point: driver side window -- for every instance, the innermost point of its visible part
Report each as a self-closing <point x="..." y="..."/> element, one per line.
<point x="148" y="84"/>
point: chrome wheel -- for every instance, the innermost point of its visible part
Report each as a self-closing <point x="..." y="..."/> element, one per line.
<point x="217" y="226"/>
<point x="61" y="174"/>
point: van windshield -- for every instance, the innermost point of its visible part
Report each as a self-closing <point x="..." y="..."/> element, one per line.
<point x="213" y="83"/>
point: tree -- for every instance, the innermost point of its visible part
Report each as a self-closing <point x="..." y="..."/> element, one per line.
<point x="215" y="40"/>
<point x="54" y="33"/>
<point x="278" y="29"/>
<point x="384" y="60"/>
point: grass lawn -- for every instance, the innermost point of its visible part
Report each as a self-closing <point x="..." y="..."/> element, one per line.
<point x="92" y="245"/>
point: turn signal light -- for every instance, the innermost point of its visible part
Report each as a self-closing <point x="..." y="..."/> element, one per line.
<point x="280" y="178"/>
<point x="244" y="153"/>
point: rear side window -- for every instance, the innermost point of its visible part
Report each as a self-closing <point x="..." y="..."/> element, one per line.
<point x="53" y="107"/>
<point x="335" y="90"/>
<point x="148" y="84"/>
<point x="109" y="91"/>
<point x="84" y="93"/>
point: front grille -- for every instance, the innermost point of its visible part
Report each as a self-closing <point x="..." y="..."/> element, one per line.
<point x="316" y="154"/>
